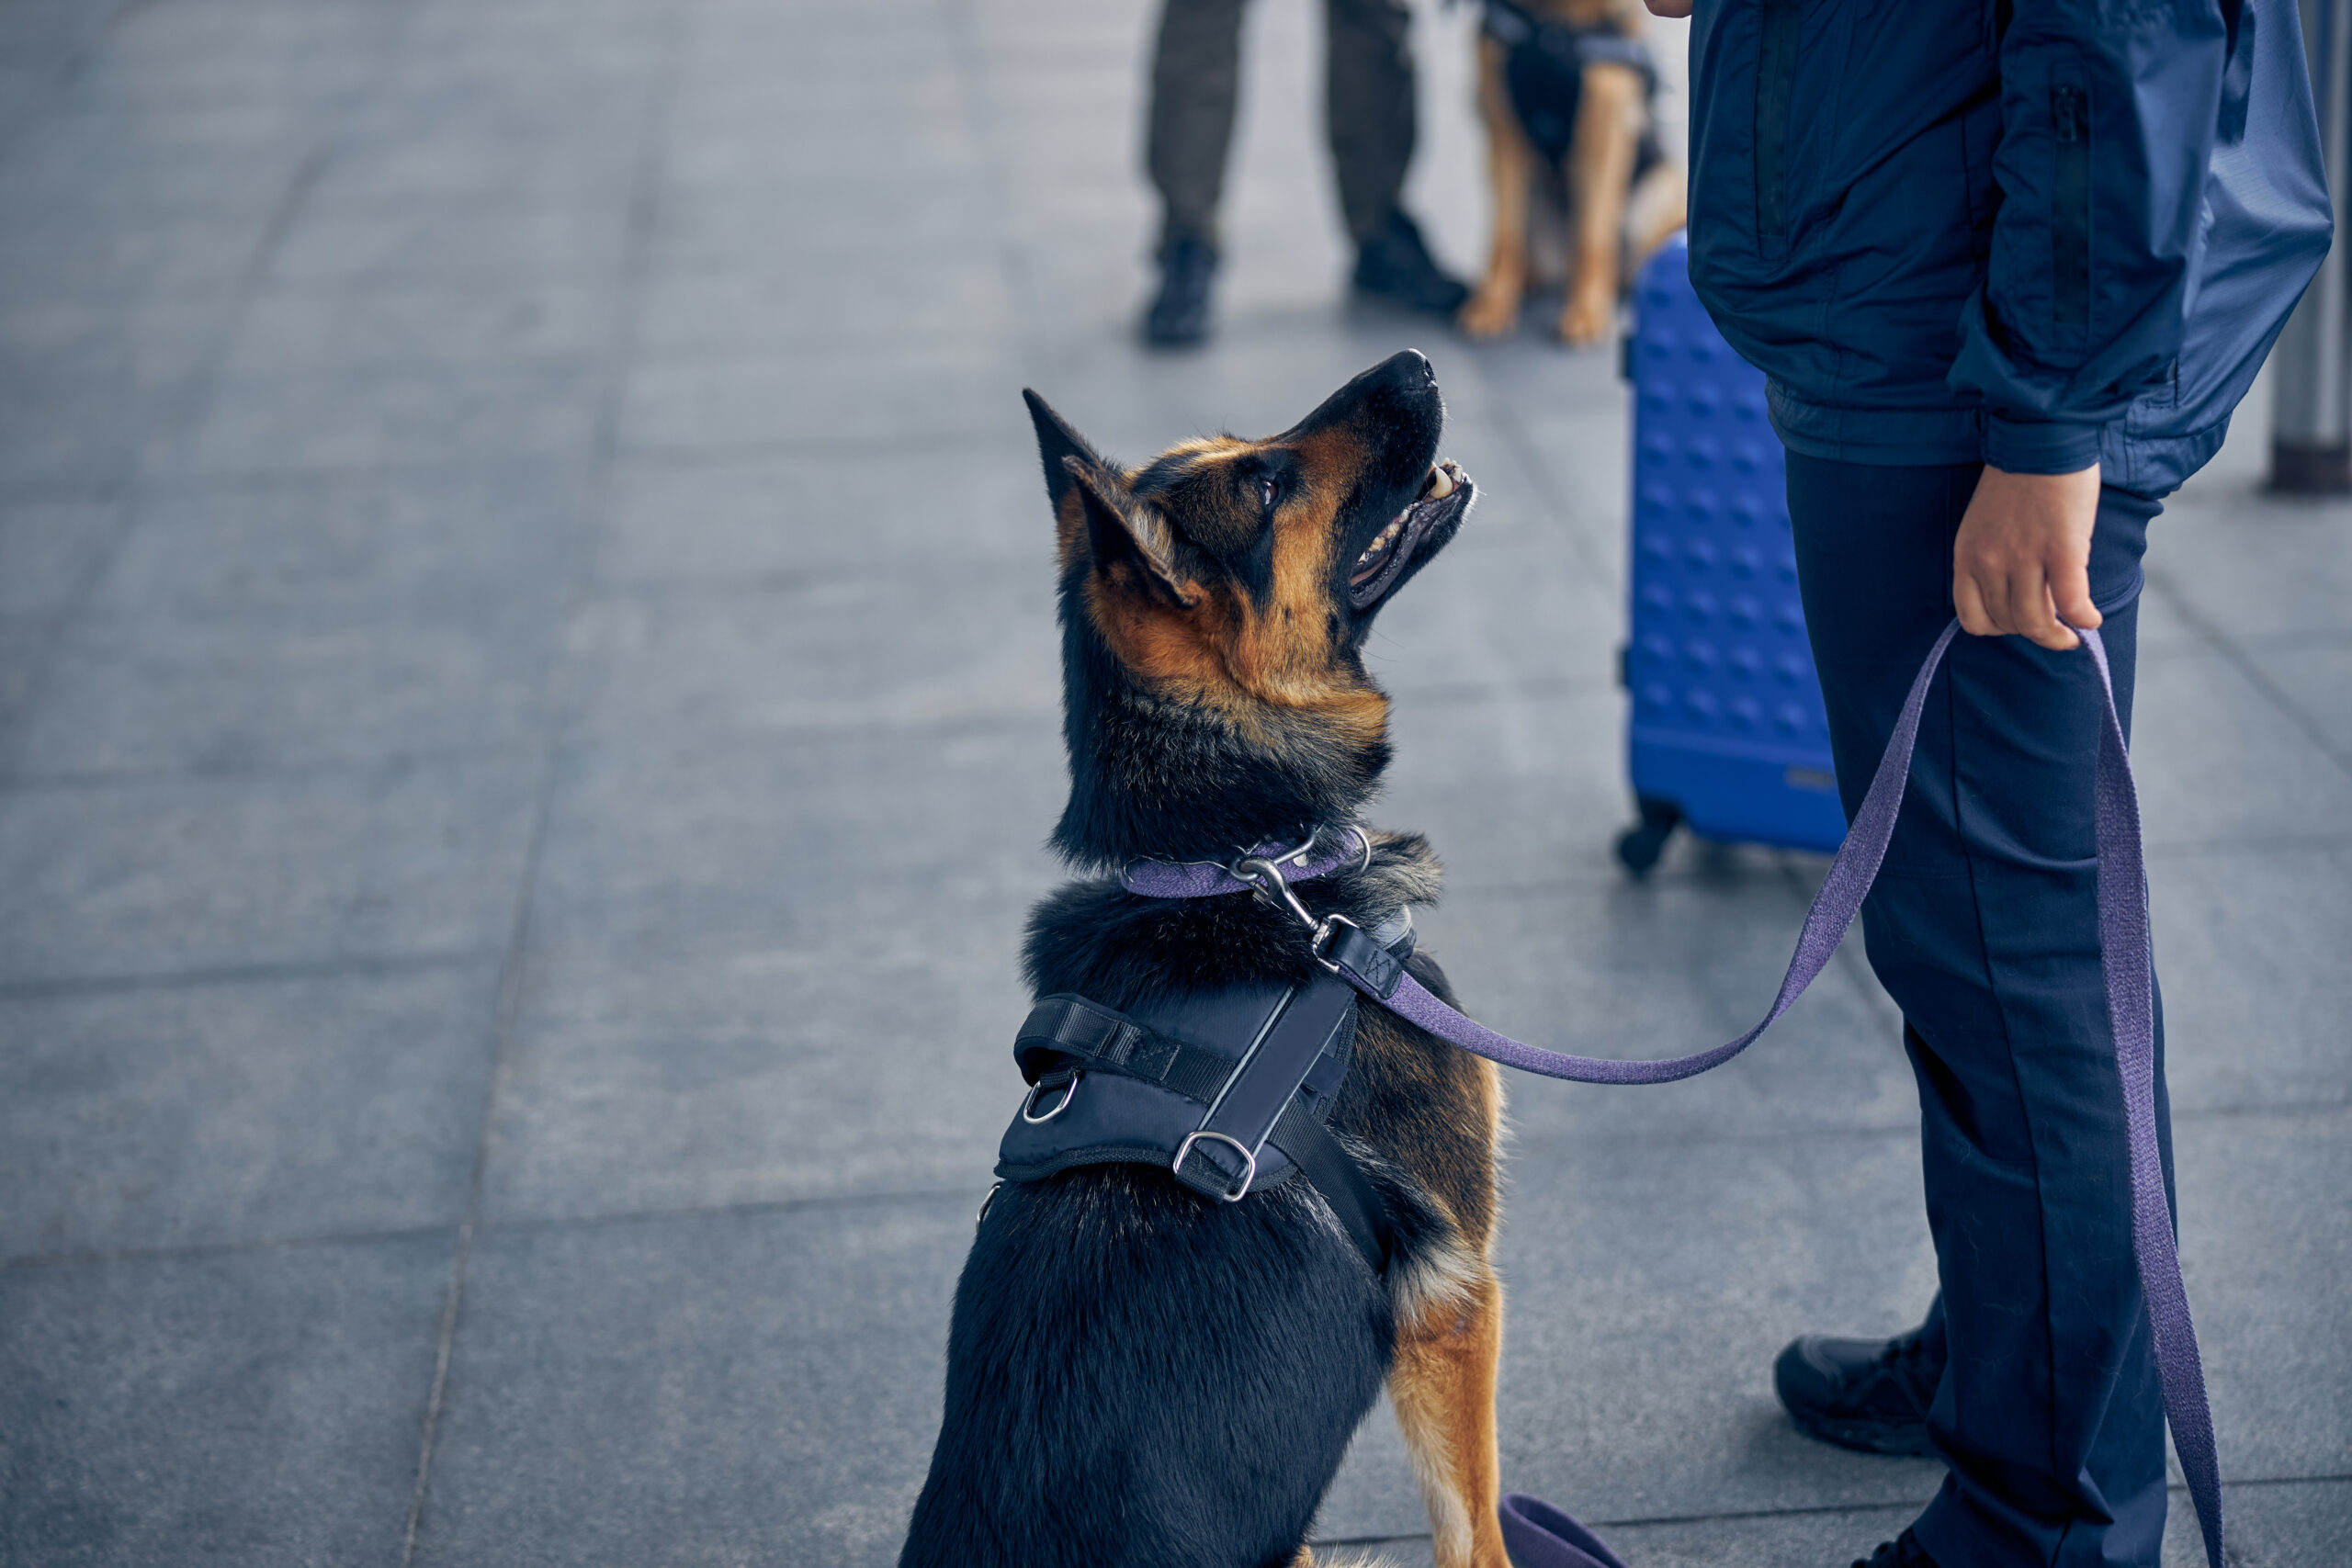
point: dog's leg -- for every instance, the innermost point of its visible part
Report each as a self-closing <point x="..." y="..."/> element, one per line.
<point x="1657" y="206"/>
<point x="1442" y="1386"/>
<point x="1600" y="166"/>
<point x="1493" y="309"/>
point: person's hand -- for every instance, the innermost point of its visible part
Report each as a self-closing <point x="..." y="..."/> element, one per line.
<point x="2021" y="563"/>
<point x="1668" y="7"/>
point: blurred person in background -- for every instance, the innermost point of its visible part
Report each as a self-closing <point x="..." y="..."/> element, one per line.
<point x="1368" y="107"/>
<point x="2007" y="267"/>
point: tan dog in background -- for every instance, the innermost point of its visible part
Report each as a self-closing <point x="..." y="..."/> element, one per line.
<point x="1565" y="87"/>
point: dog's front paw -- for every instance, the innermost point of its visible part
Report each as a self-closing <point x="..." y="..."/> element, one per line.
<point x="1586" y="321"/>
<point x="1490" y="312"/>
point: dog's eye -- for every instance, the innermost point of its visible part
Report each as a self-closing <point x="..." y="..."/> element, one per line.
<point x="1267" y="491"/>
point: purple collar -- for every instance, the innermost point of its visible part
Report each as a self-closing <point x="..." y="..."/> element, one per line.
<point x="1205" y="878"/>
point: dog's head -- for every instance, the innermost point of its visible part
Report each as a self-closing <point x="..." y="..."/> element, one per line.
<point x="1215" y="605"/>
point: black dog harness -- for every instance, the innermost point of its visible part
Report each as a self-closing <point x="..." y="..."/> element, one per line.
<point x="1543" y="67"/>
<point x="1231" y="1089"/>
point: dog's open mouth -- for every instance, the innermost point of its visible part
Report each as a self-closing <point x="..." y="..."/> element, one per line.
<point x="1444" y="497"/>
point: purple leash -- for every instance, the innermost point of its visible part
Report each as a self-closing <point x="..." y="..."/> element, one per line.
<point x="1540" y="1536"/>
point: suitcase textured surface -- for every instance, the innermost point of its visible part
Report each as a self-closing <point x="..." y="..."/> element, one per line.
<point x="1725" y="730"/>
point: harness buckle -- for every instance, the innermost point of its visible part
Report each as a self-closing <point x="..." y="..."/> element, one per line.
<point x="1249" y="1168"/>
<point x="1069" y="1091"/>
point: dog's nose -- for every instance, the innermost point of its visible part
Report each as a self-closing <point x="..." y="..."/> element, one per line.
<point x="1410" y="370"/>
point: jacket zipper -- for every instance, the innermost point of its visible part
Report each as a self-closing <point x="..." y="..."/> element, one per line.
<point x="2070" y="208"/>
<point x="1776" y="69"/>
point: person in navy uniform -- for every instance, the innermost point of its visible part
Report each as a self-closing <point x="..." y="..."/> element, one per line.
<point x="2008" y="267"/>
<point x="1369" y="112"/>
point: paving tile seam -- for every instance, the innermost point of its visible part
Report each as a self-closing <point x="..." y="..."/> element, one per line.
<point x="39" y="781"/>
<point x="697" y="461"/>
<point x="483" y="1227"/>
<point x="559" y="679"/>
<point x="2310" y="638"/>
<point x="2272" y="843"/>
<point x="182" y="473"/>
<point x="1801" y="866"/>
<point x="351" y="966"/>
<point x="2304" y="1108"/>
<point x="205" y="486"/>
<point x="740" y="450"/>
<point x="936" y="569"/>
<point x="701" y="736"/>
<point x="108" y="1257"/>
<point x="41" y="493"/>
<point x="1461" y="890"/>
<point x="1466" y="692"/>
<point x="929" y="568"/>
<point x="1598" y="876"/>
<point x="813" y="1204"/>
<point x="447" y="364"/>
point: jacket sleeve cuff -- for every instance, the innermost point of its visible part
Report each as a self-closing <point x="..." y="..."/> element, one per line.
<point x="2038" y="447"/>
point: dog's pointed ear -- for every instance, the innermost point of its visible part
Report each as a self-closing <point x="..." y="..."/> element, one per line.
<point x="1097" y="515"/>
<point x="1056" y="441"/>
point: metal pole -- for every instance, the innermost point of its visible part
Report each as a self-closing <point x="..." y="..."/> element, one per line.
<point x="2310" y="416"/>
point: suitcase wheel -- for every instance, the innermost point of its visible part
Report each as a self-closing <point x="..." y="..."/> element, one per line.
<point x="1639" y="846"/>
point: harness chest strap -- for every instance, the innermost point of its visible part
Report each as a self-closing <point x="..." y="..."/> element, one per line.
<point x="1278" y="1093"/>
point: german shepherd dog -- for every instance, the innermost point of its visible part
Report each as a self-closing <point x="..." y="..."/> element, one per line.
<point x="1622" y="199"/>
<point x="1135" y="1375"/>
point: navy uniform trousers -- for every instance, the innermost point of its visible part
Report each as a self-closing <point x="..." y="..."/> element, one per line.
<point x="1984" y="927"/>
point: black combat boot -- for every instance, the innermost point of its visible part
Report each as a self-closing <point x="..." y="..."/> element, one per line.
<point x="1180" y="316"/>
<point x="1870" y="1394"/>
<point x="1395" y="266"/>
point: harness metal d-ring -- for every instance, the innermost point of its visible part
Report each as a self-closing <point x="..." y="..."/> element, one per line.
<point x="1069" y="1088"/>
<point x="1248" y="1168"/>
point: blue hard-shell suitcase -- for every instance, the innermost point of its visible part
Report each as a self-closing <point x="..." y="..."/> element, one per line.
<point x="1726" y="729"/>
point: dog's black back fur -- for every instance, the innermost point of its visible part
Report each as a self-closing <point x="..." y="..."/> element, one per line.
<point x="1137" y="1376"/>
<point x="1135" y="1340"/>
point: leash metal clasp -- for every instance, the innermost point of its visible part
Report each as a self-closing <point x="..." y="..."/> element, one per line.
<point x="1249" y="1167"/>
<point x="1266" y="877"/>
<point x="1069" y="1091"/>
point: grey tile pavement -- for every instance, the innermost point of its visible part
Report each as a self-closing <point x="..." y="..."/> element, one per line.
<point x="720" y="1388"/>
<point x="528" y="717"/>
<point x="192" y="1115"/>
<point x="257" y="1406"/>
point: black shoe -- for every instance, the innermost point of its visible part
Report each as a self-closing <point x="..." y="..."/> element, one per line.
<point x="1181" y="315"/>
<point x="1870" y="1394"/>
<point x="1903" y="1552"/>
<point x="1395" y="266"/>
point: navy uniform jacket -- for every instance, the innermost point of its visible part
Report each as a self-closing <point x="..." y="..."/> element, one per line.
<point x="2042" y="233"/>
